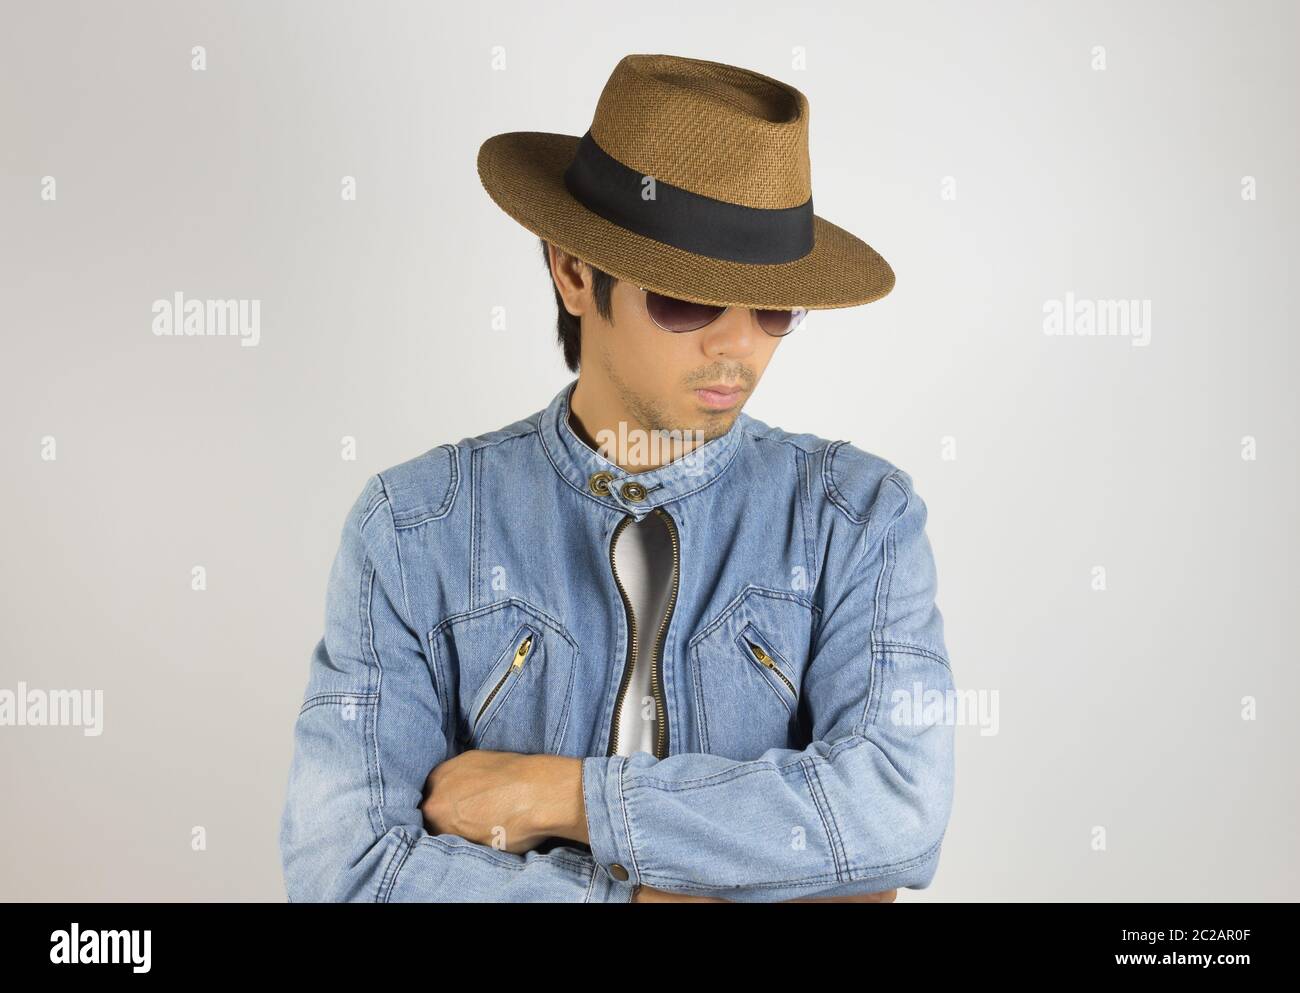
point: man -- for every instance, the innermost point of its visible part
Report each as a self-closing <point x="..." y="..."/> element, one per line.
<point x="639" y="645"/>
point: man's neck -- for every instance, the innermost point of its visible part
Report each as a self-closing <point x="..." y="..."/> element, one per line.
<point x="596" y="412"/>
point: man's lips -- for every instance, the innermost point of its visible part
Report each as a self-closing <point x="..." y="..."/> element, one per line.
<point x="719" y="395"/>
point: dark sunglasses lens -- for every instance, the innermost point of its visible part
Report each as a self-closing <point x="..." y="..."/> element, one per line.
<point x="678" y="316"/>
<point x="780" y="322"/>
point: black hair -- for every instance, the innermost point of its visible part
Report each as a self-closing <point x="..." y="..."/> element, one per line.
<point x="568" y="329"/>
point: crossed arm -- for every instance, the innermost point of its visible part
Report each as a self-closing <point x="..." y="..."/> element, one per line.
<point x="481" y="795"/>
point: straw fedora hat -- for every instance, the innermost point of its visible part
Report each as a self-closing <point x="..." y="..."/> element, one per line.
<point x="693" y="181"/>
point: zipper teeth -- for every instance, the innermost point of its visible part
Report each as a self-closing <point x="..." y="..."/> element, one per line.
<point x="661" y="749"/>
<point x="631" y="638"/>
<point x="520" y="651"/>
<point x="768" y="661"/>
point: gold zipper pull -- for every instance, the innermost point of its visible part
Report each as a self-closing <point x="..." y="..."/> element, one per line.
<point x="770" y="662"/>
<point x="522" y="652"/>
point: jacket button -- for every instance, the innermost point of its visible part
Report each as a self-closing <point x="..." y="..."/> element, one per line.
<point x="599" y="483"/>
<point x="634" y="492"/>
<point x="617" y="871"/>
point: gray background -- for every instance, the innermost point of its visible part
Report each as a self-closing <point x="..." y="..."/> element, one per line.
<point x="1119" y="709"/>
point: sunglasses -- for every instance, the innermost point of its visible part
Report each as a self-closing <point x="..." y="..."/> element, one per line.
<point x="681" y="316"/>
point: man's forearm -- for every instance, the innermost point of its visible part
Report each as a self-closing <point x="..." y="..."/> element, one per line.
<point x="564" y="814"/>
<point x="560" y="809"/>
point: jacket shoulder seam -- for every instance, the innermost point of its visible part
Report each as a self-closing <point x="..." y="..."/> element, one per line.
<point x="479" y="444"/>
<point x="426" y="474"/>
<point x="836" y="496"/>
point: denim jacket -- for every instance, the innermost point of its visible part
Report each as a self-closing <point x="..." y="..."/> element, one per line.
<point x="473" y="604"/>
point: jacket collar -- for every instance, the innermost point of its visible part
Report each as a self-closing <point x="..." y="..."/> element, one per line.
<point x="587" y="471"/>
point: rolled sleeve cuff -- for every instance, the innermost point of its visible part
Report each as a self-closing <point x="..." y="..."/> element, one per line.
<point x="607" y="828"/>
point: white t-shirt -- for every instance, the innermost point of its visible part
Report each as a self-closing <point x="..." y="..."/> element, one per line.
<point x="643" y="557"/>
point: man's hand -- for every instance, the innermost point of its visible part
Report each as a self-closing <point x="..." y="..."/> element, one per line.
<point x="648" y="894"/>
<point x="508" y="800"/>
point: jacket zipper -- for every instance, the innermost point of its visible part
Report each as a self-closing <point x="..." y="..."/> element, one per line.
<point x="656" y="675"/>
<point x="630" y="662"/>
<point x="656" y="671"/>
<point x="521" y="653"/>
<point x="767" y="660"/>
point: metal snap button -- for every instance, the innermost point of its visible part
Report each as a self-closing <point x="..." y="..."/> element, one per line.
<point x="599" y="483"/>
<point x="634" y="492"/>
<point x="617" y="871"/>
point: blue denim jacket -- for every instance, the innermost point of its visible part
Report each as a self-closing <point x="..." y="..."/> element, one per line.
<point x="472" y="604"/>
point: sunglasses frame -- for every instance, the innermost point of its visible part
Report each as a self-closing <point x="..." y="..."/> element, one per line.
<point x="645" y="302"/>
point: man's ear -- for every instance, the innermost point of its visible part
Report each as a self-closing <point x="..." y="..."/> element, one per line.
<point x="573" y="280"/>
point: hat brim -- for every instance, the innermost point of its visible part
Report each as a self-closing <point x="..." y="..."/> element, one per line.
<point x="523" y="172"/>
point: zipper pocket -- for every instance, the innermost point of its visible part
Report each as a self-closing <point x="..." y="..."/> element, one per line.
<point x="517" y="663"/>
<point x="761" y="656"/>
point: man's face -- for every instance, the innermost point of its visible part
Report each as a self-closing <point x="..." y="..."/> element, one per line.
<point x="663" y="378"/>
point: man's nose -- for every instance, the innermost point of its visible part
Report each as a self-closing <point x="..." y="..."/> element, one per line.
<point x="733" y="333"/>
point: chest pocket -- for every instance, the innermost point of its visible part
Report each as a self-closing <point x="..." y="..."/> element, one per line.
<point x="747" y="669"/>
<point x="512" y="669"/>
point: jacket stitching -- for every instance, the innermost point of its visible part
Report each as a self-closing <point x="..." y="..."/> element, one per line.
<point x="865" y="871"/>
<point x="804" y="486"/>
<point x="903" y="648"/>
<point x="374" y="683"/>
<point x="453" y="484"/>
<point x="884" y="583"/>
<point x="742" y="595"/>
<point x="397" y="554"/>
<point x="513" y="601"/>
<point x="702" y="712"/>
<point x="874" y="693"/>
<point x="374" y="505"/>
<point x="362" y="699"/>
<point x="475" y="526"/>
<point x="852" y="874"/>
<point x="671" y="639"/>
<point x="827" y="815"/>
<point x="749" y="768"/>
<point x="438" y="675"/>
<point x="881" y="598"/>
<point x="563" y="729"/>
<point x="485" y="445"/>
<point x="832" y="490"/>
<point x="483" y="854"/>
<point x="880" y="609"/>
<point x="627" y="824"/>
<point x="396" y="860"/>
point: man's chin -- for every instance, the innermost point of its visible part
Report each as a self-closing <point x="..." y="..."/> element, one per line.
<point x="716" y="423"/>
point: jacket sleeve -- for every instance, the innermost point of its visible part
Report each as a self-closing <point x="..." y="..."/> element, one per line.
<point x="864" y="806"/>
<point x="369" y="731"/>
